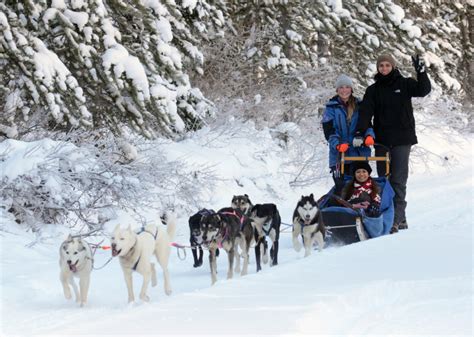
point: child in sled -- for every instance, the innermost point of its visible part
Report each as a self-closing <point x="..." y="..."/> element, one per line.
<point x="362" y="191"/>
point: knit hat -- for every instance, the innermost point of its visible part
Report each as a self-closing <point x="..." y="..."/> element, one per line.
<point x="343" y="80"/>
<point x="386" y="58"/>
<point x="357" y="165"/>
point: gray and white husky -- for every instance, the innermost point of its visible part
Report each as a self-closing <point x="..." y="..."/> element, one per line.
<point x="227" y="228"/>
<point x="75" y="260"/>
<point x="307" y="222"/>
<point x="136" y="249"/>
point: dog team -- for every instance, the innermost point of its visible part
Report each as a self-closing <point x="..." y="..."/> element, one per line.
<point x="234" y="229"/>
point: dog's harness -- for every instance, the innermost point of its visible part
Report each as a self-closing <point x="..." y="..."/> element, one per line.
<point x="225" y="235"/>
<point x="234" y="213"/>
<point x="303" y="224"/>
<point x="267" y="227"/>
<point x="142" y="230"/>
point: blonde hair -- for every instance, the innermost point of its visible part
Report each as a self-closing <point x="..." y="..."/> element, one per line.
<point x="351" y="105"/>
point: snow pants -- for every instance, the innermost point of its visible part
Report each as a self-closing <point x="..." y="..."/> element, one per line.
<point x="399" y="158"/>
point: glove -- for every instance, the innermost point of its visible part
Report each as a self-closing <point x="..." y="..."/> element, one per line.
<point x="369" y="141"/>
<point x="342" y="147"/>
<point x="418" y="63"/>
<point x="358" y="141"/>
<point x="363" y="205"/>
<point x="373" y="211"/>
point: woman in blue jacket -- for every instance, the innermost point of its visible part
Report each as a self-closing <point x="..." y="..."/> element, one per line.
<point x="339" y="124"/>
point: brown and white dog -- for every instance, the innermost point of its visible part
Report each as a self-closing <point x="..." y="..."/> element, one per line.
<point x="136" y="249"/>
<point x="75" y="261"/>
<point x="228" y="228"/>
<point x="308" y="222"/>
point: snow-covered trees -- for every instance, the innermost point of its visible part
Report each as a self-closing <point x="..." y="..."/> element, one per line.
<point x="95" y="63"/>
<point x="101" y="63"/>
<point x="283" y="34"/>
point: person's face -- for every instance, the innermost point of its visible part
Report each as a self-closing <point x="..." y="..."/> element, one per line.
<point x="344" y="92"/>
<point x="361" y="175"/>
<point x="385" y="68"/>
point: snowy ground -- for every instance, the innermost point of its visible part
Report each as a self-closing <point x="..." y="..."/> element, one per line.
<point x="418" y="282"/>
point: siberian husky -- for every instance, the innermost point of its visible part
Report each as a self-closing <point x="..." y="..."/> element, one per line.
<point x="135" y="250"/>
<point x="307" y="221"/>
<point x="227" y="228"/>
<point x="195" y="235"/>
<point x="75" y="260"/>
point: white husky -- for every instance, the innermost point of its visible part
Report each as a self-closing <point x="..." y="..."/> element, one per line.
<point x="135" y="250"/>
<point x="75" y="260"/>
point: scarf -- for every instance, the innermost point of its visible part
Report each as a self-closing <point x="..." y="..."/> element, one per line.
<point x="366" y="187"/>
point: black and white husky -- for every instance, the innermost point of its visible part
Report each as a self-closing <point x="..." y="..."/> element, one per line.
<point x="195" y="235"/>
<point x="307" y="222"/>
<point x="267" y="221"/>
<point x="75" y="261"/>
<point x="227" y="228"/>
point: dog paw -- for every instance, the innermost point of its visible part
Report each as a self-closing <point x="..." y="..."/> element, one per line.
<point x="145" y="298"/>
<point x="68" y="296"/>
<point x="168" y="292"/>
<point x="297" y="245"/>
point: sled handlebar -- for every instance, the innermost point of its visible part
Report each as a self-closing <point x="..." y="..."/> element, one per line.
<point x="385" y="158"/>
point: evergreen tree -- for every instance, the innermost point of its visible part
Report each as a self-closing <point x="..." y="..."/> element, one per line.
<point x="284" y="34"/>
<point x="101" y="63"/>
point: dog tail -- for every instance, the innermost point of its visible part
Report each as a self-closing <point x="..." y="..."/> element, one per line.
<point x="171" y="221"/>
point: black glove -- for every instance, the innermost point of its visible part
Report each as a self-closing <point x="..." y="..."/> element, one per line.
<point x="418" y="63"/>
<point x="373" y="211"/>
<point x="358" y="140"/>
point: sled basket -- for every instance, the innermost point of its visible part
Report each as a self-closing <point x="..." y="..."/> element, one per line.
<point x="346" y="225"/>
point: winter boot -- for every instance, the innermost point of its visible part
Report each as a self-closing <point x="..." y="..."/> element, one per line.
<point x="403" y="225"/>
<point x="394" y="228"/>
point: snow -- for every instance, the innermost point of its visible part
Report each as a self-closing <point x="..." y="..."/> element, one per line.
<point x="120" y="61"/>
<point x="396" y="13"/>
<point x="412" y="30"/>
<point x="415" y="283"/>
<point x="78" y="18"/>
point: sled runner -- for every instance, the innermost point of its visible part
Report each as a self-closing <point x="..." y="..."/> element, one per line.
<point x="346" y="225"/>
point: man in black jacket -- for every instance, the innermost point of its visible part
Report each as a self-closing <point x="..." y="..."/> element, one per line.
<point x="388" y="103"/>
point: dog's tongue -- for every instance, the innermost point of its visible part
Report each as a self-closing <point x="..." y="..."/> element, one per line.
<point x="72" y="267"/>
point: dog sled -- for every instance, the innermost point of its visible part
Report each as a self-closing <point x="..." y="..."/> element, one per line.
<point x="346" y="225"/>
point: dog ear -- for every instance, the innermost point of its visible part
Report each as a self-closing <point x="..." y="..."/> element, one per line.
<point x="69" y="237"/>
<point x="311" y="196"/>
<point x="117" y="227"/>
<point x="129" y="228"/>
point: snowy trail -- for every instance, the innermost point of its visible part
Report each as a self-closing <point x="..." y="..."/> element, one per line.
<point x="419" y="281"/>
